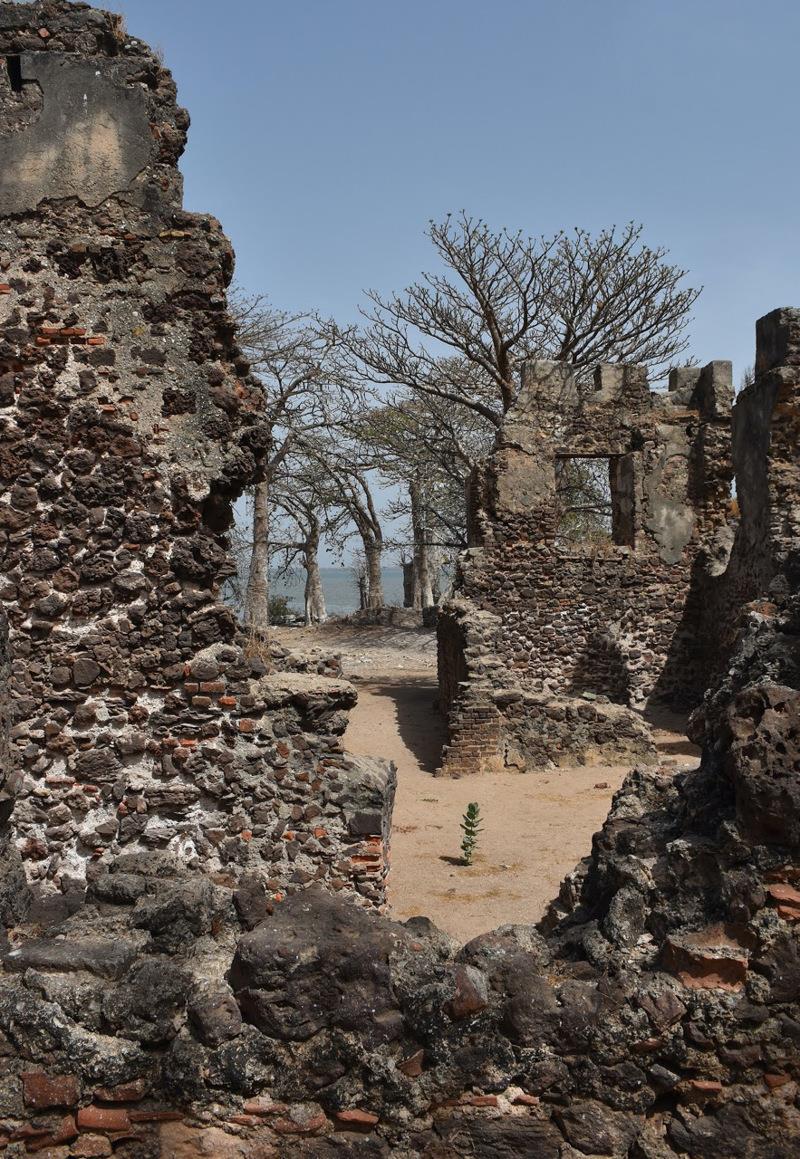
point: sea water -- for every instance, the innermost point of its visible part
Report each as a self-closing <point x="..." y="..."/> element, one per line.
<point x="340" y="587"/>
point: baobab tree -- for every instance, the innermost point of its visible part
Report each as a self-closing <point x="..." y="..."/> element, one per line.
<point x="307" y="509"/>
<point x="427" y="448"/>
<point x="294" y="356"/>
<point x="502" y="297"/>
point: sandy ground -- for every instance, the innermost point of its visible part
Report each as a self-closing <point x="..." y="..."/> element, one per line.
<point x="536" y="826"/>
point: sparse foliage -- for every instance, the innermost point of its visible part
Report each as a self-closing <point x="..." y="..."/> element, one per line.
<point x="461" y="335"/>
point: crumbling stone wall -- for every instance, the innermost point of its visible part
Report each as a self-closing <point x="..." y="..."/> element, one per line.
<point x="654" y="1013"/>
<point x="763" y="564"/>
<point x="143" y="725"/>
<point x="550" y="635"/>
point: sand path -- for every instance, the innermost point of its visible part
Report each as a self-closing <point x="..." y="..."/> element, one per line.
<point x="536" y="826"/>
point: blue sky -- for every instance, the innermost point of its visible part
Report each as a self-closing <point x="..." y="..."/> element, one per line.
<point x="325" y="134"/>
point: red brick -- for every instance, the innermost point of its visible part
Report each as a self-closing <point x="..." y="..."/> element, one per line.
<point x="42" y="1091"/>
<point x="247" y="725"/>
<point x="781" y="891"/>
<point x="357" y="1119"/>
<point x="155" y="1116"/>
<point x="700" y="1091"/>
<point x="481" y="1100"/>
<point x="38" y="1140"/>
<point x="263" y="1105"/>
<point x="104" y="1118"/>
<point x="774" y="1081"/>
<point x="310" y="1127"/>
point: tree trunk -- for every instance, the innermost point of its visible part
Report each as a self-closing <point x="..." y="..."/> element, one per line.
<point x="373" y="551"/>
<point x="435" y="563"/>
<point x="408" y="582"/>
<point x="256" y="599"/>
<point x="423" y="587"/>
<point x="316" y="612"/>
<point x="363" y="596"/>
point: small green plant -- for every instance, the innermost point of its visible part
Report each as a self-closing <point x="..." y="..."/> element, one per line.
<point x="471" y="826"/>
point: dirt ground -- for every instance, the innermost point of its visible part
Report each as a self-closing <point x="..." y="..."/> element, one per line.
<point x="536" y="826"/>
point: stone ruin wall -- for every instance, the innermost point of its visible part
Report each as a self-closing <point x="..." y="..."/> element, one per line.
<point x="150" y="1004"/>
<point x="547" y="641"/>
<point x="144" y="724"/>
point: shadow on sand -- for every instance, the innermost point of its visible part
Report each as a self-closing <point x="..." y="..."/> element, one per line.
<point x="420" y="724"/>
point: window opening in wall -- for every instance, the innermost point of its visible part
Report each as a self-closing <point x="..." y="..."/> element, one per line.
<point x="594" y="500"/>
<point x="14" y="68"/>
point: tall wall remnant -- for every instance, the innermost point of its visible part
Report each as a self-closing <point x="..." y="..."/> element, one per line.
<point x="128" y="424"/>
<point x="150" y="1003"/>
<point x="552" y="633"/>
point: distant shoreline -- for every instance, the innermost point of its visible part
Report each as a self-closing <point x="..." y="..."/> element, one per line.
<point x="341" y="591"/>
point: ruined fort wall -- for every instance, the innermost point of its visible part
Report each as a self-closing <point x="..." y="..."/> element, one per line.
<point x="156" y="1010"/>
<point x="142" y="724"/>
<point x="610" y="619"/>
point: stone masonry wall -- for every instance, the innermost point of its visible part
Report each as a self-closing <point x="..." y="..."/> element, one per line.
<point x="129" y="421"/>
<point x="578" y="630"/>
<point x="159" y="1002"/>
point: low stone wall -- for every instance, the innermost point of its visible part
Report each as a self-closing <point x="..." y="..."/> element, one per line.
<point x="496" y="722"/>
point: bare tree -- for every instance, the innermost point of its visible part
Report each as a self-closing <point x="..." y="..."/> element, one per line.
<point x="503" y="297"/>
<point x="428" y="447"/>
<point x="305" y="494"/>
<point x="293" y="355"/>
<point x="357" y="497"/>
